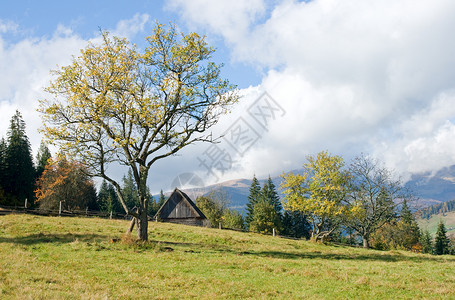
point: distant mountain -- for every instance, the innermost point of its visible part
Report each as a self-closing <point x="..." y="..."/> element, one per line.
<point x="429" y="188"/>
<point x="237" y="191"/>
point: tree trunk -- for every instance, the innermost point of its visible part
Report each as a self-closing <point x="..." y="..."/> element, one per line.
<point x="142" y="226"/>
<point x="366" y="243"/>
<point x="142" y="220"/>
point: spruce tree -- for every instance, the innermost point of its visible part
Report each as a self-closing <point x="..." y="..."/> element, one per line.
<point x="269" y="194"/>
<point x="425" y="241"/>
<point x="2" y="170"/>
<point x="441" y="242"/>
<point x="20" y="172"/>
<point x="107" y="198"/>
<point x="129" y="190"/>
<point x="161" y="199"/>
<point x="42" y="159"/>
<point x="253" y="198"/>
<point x="410" y="231"/>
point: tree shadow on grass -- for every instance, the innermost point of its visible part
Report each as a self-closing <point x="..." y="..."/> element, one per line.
<point x="337" y="256"/>
<point x="43" y="238"/>
<point x="297" y="255"/>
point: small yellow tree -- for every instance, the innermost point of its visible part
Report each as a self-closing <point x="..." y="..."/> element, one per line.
<point x="116" y="104"/>
<point x="320" y="193"/>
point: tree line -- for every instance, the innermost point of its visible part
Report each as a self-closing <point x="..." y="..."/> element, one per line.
<point x="363" y="202"/>
<point x="47" y="181"/>
<point x="440" y="208"/>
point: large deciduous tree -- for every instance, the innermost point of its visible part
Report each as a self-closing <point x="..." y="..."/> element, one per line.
<point x="374" y="195"/>
<point x="320" y="193"/>
<point x="117" y="104"/>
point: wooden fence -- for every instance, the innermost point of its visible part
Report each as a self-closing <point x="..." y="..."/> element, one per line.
<point x="63" y="213"/>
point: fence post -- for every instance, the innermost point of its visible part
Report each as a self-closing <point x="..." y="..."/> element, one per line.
<point x="110" y="217"/>
<point x="273" y="231"/>
<point x="25" y="202"/>
<point x="60" y="209"/>
<point x="219" y="225"/>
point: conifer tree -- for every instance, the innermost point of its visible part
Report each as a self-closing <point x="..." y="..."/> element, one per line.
<point x="425" y="241"/>
<point x="153" y="205"/>
<point x="409" y="229"/>
<point x="441" y="242"/>
<point x="161" y="199"/>
<point x="253" y="198"/>
<point x="19" y="181"/>
<point x="269" y="194"/>
<point x="129" y="190"/>
<point x="2" y="170"/>
<point x="107" y="198"/>
<point x="42" y="159"/>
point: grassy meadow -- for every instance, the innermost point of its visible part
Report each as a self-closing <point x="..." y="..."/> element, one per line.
<point x="67" y="258"/>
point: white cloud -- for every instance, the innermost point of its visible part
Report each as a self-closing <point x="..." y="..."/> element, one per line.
<point x="129" y="28"/>
<point x="8" y="26"/>
<point x="25" y="69"/>
<point x="426" y="140"/>
<point x="353" y="76"/>
<point x="232" y="19"/>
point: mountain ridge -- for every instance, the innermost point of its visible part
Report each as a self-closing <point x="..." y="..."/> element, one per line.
<point x="429" y="188"/>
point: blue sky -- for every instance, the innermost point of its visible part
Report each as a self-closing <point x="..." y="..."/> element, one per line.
<point x="347" y="76"/>
<point x="40" y="19"/>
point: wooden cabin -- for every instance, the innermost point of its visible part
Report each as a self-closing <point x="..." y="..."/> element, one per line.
<point x="180" y="209"/>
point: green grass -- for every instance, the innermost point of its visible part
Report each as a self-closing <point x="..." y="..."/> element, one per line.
<point x="432" y="224"/>
<point x="67" y="258"/>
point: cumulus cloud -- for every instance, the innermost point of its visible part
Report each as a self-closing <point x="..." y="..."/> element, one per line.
<point x="232" y="19"/>
<point x="353" y="76"/>
<point x="24" y="72"/>
<point x="25" y="68"/>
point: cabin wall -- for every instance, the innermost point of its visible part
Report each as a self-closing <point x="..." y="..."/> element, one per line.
<point x="188" y="221"/>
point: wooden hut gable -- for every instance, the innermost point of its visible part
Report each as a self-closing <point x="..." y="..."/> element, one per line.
<point x="179" y="206"/>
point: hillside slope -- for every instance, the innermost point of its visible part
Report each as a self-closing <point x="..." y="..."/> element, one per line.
<point x="431" y="224"/>
<point x="67" y="258"/>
